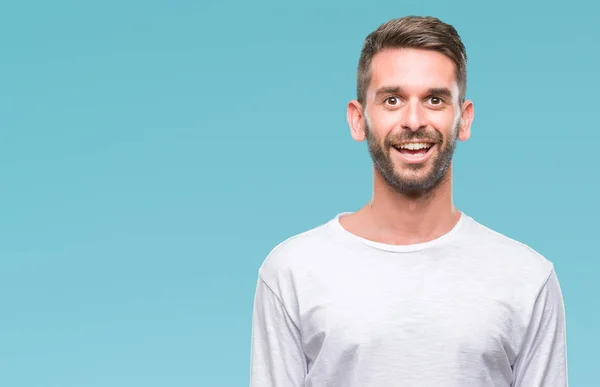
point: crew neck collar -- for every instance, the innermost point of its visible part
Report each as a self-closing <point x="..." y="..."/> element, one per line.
<point x="336" y="224"/>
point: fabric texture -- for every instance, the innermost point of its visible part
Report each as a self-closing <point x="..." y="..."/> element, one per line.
<point x="472" y="308"/>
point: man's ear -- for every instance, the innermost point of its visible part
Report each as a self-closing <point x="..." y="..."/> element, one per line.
<point x="356" y="120"/>
<point x="466" y="119"/>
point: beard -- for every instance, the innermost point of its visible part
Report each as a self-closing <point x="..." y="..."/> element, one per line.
<point x="417" y="179"/>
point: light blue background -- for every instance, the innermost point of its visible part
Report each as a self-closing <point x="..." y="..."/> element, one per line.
<point x="153" y="152"/>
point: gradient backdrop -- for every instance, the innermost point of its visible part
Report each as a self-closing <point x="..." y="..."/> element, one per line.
<point x="153" y="152"/>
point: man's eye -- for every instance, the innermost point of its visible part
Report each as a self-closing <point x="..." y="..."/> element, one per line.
<point x="436" y="100"/>
<point x="392" y="101"/>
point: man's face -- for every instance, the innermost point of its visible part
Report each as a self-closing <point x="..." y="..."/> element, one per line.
<point x="412" y="118"/>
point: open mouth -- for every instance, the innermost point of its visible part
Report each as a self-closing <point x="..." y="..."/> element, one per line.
<point x="415" y="152"/>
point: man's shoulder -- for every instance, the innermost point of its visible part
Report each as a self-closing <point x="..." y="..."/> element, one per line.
<point x="297" y="251"/>
<point x="509" y="253"/>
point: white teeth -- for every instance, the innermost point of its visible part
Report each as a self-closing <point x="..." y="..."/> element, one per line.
<point x="415" y="145"/>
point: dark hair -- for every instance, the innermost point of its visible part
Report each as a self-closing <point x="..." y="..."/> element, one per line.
<point x="422" y="32"/>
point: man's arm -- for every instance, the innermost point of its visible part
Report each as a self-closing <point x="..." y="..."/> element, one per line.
<point x="277" y="359"/>
<point x="542" y="361"/>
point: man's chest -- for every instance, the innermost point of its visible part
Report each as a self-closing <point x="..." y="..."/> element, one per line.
<point x="410" y="315"/>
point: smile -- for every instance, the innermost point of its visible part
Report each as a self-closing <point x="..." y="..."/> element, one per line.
<point x="414" y="152"/>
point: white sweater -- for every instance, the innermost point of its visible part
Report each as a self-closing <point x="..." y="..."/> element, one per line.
<point x="472" y="308"/>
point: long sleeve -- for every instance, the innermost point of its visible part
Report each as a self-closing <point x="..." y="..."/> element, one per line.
<point x="542" y="361"/>
<point x="277" y="359"/>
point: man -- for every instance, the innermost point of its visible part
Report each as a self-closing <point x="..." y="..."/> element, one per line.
<point x="408" y="290"/>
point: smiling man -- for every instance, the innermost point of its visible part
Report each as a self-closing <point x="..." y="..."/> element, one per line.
<point x="408" y="290"/>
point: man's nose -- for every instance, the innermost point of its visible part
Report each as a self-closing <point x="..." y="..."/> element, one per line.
<point x="413" y="116"/>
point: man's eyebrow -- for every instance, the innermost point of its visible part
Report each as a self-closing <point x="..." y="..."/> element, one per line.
<point x="441" y="91"/>
<point x="388" y="90"/>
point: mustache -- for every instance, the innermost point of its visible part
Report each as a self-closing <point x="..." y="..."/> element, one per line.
<point x="434" y="137"/>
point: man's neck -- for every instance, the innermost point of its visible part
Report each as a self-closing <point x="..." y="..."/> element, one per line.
<point x="397" y="219"/>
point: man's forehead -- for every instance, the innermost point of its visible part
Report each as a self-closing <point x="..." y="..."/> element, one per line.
<point x="404" y="66"/>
